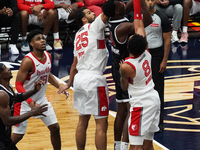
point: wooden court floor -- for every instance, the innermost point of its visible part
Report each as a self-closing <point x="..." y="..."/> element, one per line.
<point x="37" y="136"/>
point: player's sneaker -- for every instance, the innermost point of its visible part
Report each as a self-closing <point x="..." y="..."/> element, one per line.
<point x="25" y="46"/>
<point x="13" y="49"/>
<point x="48" y="47"/>
<point x="57" y="45"/>
<point x="174" y="38"/>
<point x="184" y="37"/>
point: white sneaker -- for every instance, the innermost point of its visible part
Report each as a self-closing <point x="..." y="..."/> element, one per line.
<point x="48" y="47"/>
<point x="174" y="38"/>
<point x="184" y="37"/>
<point x="13" y="58"/>
<point x="25" y="47"/>
<point x="57" y="45"/>
<point x="13" y="49"/>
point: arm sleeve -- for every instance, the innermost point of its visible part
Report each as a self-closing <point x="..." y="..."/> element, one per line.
<point x="22" y="6"/>
<point x="49" y="4"/>
<point x="13" y="6"/>
<point x="20" y="89"/>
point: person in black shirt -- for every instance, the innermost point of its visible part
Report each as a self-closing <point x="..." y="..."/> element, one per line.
<point x="10" y="18"/>
<point x="156" y="33"/>
<point x="7" y="100"/>
<point x="121" y="29"/>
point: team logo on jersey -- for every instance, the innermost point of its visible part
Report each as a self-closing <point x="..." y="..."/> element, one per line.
<point x="134" y="127"/>
<point x="104" y="108"/>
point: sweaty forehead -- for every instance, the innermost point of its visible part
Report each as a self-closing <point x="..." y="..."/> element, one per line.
<point x="86" y="11"/>
<point x="38" y="35"/>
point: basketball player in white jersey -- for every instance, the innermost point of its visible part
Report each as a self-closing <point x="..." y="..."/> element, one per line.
<point x="137" y="78"/>
<point x="36" y="65"/>
<point x="90" y="86"/>
<point x="66" y="10"/>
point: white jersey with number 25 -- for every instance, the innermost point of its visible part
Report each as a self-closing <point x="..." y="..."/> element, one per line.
<point x="90" y="48"/>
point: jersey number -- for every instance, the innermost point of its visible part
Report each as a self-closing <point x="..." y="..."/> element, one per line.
<point x="44" y="79"/>
<point x="82" y="40"/>
<point x="146" y="68"/>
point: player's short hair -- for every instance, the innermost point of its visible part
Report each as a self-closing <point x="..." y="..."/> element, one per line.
<point x="137" y="44"/>
<point x="109" y="8"/>
<point x="32" y="34"/>
<point x="1" y="67"/>
<point x="79" y="15"/>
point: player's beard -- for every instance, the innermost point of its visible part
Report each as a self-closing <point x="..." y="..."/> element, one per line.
<point x="90" y="20"/>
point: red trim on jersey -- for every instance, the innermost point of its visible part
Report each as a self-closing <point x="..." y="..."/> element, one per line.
<point x="101" y="44"/>
<point x="133" y="57"/>
<point x="130" y="65"/>
<point x="147" y="50"/>
<point x="135" y="125"/>
<point x="89" y="26"/>
<point x="17" y="108"/>
<point x="29" y="75"/>
<point x="38" y="59"/>
<point x="103" y="101"/>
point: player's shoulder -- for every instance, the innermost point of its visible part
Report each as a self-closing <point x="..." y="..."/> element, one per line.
<point x="4" y="99"/>
<point x="27" y="62"/>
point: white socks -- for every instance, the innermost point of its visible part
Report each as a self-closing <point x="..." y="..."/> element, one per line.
<point x="185" y="29"/>
<point x="117" y="145"/>
<point x="124" y="146"/>
<point x="56" y="35"/>
<point x="121" y="145"/>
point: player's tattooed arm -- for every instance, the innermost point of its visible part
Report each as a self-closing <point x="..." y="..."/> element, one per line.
<point x="124" y="76"/>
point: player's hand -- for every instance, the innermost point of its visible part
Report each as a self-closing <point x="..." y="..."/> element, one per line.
<point x="164" y="3"/>
<point x="38" y="110"/>
<point x="65" y="6"/>
<point x="40" y="17"/>
<point x="4" y="11"/>
<point x="62" y="89"/>
<point x="66" y="93"/>
<point x="68" y="10"/>
<point x="163" y="66"/>
<point x="121" y="62"/>
<point x="38" y="85"/>
<point x="33" y="104"/>
<point x="9" y="12"/>
<point x="36" y="9"/>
